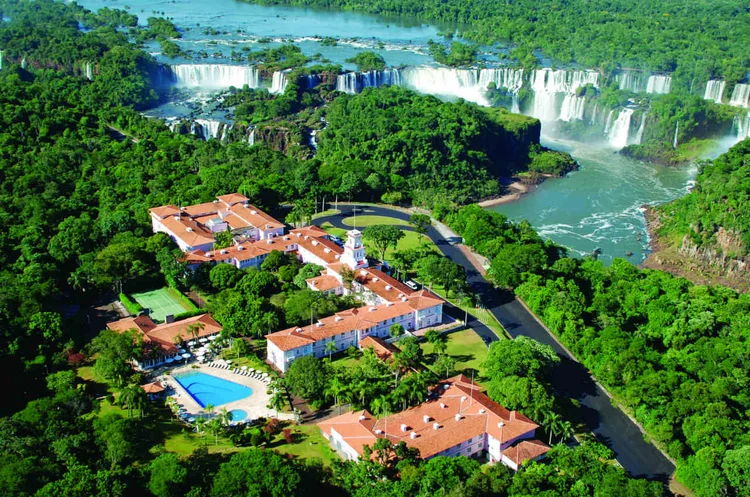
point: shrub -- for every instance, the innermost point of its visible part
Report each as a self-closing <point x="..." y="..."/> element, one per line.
<point x="132" y="306"/>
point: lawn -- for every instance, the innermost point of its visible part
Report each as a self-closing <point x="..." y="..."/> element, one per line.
<point x="308" y="444"/>
<point x="163" y="302"/>
<point x="482" y="315"/>
<point x="465" y="347"/>
<point x="364" y="221"/>
<point x="332" y="230"/>
<point x="409" y="241"/>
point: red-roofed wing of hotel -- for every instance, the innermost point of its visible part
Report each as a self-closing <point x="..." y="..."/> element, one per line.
<point x="457" y="419"/>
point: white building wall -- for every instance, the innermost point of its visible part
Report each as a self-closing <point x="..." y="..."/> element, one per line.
<point x="338" y="444"/>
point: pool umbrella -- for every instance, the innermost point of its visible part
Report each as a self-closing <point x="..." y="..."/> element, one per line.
<point x="168" y="360"/>
<point x="203" y="340"/>
<point x="191" y="342"/>
<point x="181" y="351"/>
<point x="186" y="356"/>
<point x="244" y="368"/>
<point x="200" y="353"/>
<point x="213" y="337"/>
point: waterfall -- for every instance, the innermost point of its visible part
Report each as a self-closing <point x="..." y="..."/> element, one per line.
<point x="211" y="76"/>
<point x="715" y="90"/>
<point x="207" y="128"/>
<point x="620" y="130"/>
<point x="631" y="81"/>
<point x="592" y="120"/>
<point x="225" y="132"/>
<point x="353" y="82"/>
<point x="740" y="96"/>
<point x="313" y="141"/>
<point x="659" y="84"/>
<point x="279" y="82"/>
<point x="741" y="127"/>
<point x="639" y="134"/>
<point x="313" y="80"/>
<point x="676" y="130"/>
<point x="609" y="121"/>
<point x="572" y="108"/>
<point x="510" y="79"/>
<point x="88" y="71"/>
<point x="460" y="83"/>
<point x="251" y="138"/>
<point x="515" y="106"/>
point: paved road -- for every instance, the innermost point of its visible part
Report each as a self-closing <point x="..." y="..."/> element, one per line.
<point x="571" y="379"/>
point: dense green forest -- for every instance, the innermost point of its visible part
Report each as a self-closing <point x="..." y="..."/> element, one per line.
<point x="709" y="227"/>
<point x="696" y="39"/>
<point x="674" y="353"/>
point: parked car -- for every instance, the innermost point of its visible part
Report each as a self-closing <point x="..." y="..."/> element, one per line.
<point x="411" y="284"/>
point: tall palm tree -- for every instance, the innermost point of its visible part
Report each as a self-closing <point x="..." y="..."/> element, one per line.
<point x="200" y="423"/>
<point x="552" y="424"/>
<point x="214" y="427"/>
<point x="133" y="397"/>
<point x="335" y="388"/>
<point x="380" y="405"/>
<point x="277" y="401"/>
<point x="209" y="409"/>
<point x="225" y="417"/>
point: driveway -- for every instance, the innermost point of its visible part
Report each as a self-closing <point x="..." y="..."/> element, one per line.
<point x="609" y="424"/>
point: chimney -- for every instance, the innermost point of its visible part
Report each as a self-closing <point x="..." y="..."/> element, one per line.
<point x="481" y="411"/>
<point x="404" y="427"/>
<point x="426" y="418"/>
<point x="169" y="318"/>
<point x="458" y="417"/>
<point x="338" y="318"/>
<point x="362" y="417"/>
<point x="222" y="251"/>
<point x="189" y="229"/>
<point x="435" y="426"/>
<point x="442" y="405"/>
<point x="326" y="250"/>
<point x="269" y="241"/>
<point x="319" y="324"/>
<point x="404" y="299"/>
<point x="378" y="432"/>
<point x="413" y="435"/>
<point x="372" y="309"/>
<point x="363" y="273"/>
<point x="375" y="279"/>
<point x="253" y="212"/>
<point x="388" y="287"/>
<point x="388" y="304"/>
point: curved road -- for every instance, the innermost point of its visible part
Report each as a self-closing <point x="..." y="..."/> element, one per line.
<point x="571" y="379"/>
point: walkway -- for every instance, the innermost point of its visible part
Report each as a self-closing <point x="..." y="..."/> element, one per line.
<point x="571" y="379"/>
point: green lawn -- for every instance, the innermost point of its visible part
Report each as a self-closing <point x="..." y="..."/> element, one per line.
<point x="325" y="213"/>
<point x="482" y="315"/>
<point x="409" y="241"/>
<point x="465" y="347"/>
<point x="364" y="221"/>
<point x="332" y="230"/>
<point x="309" y="444"/>
<point x="163" y="302"/>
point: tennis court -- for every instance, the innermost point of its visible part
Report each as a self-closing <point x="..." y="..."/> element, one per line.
<point x="160" y="303"/>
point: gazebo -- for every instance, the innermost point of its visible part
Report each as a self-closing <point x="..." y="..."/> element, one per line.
<point x="154" y="389"/>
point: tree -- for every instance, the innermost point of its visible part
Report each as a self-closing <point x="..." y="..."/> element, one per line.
<point x="277" y="400"/>
<point x="115" y="353"/>
<point x="513" y="260"/>
<point x="307" y="378"/>
<point x="223" y="239"/>
<point x="167" y="476"/>
<point x="736" y="468"/>
<point x="420" y="222"/>
<point x="257" y="472"/>
<point x="337" y="389"/>
<point x="411" y="352"/>
<point x="241" y="347"/>
<point x="224" y="276"/>
<point x="308" y="271"/>
<point x="445" y="362"/>
<point x="331" y="348"/>
<point x="133" y="397"/>
<point x="396" y="330"/>
<point x="382" y="237"/>
<point x="552" y="423"/>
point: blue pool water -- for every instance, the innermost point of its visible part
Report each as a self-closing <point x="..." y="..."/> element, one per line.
<point x="238" y="415"/>
<point x="207" y="389"/>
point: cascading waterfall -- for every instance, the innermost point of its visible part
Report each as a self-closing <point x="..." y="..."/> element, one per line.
<point x="592" y="120"/>
<point x="211" y="76"/>
<point x="279" y="82"/>
<point x="572" y="108"/>
<point x="251" y="137"/>
<point x="659" y="84"/>
<point x="631" y="81"/>
<point x="715" y="90"/>
<point x="608" y="125"/>
<point x="740" y="96"/>
<point x="620" y="130"/>
<point x="225" y="132"/>
<point x="676" y="130"/>
<point x="641" y="128"/>
<point x="353" y="82"/>
<point x="207" y="128"/>
<point x="510" y="79"/>
<point x="461" y="83"/>
<point x="313" y="141"/>
<point x="88" y="71"/>
<point x="741" y="127"/>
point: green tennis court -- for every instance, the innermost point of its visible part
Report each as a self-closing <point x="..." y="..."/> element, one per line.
<point x="161" y="303"/>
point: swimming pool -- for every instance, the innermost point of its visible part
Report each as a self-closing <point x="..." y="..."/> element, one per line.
<point x="238" y="415"/>
<point x="206" y="389"/>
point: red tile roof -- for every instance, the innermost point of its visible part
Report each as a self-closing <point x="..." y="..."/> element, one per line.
<point x="163" y="335"/>
<point x="324" y="283"/>
<point x="478" y="415"/>
<point x="526" y="450"/>
<point x="383" y="350"/>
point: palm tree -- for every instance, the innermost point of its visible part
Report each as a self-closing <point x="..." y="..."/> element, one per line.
<point x="335" y="388"/>
<point x="133" y="397"/>
<point x="566" y="430"/>
<point x="277" y="401"/>
<point x="214" y="427"/>
<point x="441" y="347"/>
<point x="225" y="417"/>
<point x="331" y="348"/>
<point x="432" y="336"/>
<point x="552" y="423"/>
<point x="195" y="329"/>
<point x="209" y="409"/>
<point x="199" y="424"/>
<point x="380" y="405"/>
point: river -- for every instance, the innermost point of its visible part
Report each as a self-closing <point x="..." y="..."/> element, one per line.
<point x="597" y="206"/>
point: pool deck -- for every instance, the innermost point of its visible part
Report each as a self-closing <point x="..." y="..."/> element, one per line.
<point x="254" y="405"/>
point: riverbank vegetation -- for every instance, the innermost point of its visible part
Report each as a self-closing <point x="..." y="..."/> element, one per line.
<point x="669" y="350"/>
<point x="705" y="234"/>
